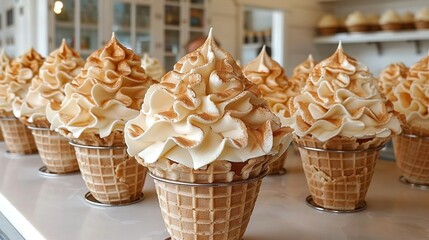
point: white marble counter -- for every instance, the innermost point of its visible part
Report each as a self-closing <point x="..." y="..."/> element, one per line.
<point x="54" y="208"/>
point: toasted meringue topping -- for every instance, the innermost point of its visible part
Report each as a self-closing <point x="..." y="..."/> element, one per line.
<point x="341" y="99"/>
<point x="108" y="92"/>
<point x="59" y="68"/>
<point x="17" y="78"/>
<point x="412" y="95"/>
<point x="204" y="110"/>
<point x="390" y="77"/>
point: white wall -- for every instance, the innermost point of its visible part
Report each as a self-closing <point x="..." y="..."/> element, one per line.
<point x="28" y="29"/>
<point x="300" y="20"/>
<point x="367" y="53"/>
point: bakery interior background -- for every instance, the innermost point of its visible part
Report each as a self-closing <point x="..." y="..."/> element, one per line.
<point x="162" y="28"/>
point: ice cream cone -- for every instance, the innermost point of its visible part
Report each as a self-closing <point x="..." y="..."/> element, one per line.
<point x="110" y="174"/>
<point x="17" y="137"/>
<point x="55" y="151"/>
<point x="412" y="156"/>
<point x="338" y="171"/>
<point x="210" y="203"/>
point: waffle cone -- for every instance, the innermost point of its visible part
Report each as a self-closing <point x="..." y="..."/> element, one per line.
<point x="412" y="156"/>
<point x="110" y="174"/>
<point x="17" y="137"/>
<point x="208" y="212"/>
<point x="335" y="180"/>
<point x="277" y="165"/>
<point x="55" y="151"/>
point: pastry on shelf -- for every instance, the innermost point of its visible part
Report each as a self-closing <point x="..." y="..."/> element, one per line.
<point x="373" y="22"/>
<point x="390" y="20"/>
<point x="342" y="24"/>
<point x="357" y="22"/>
<point x="408" y="20"/>
<point x="328" y="25"/>
<point x="421" y="19"/>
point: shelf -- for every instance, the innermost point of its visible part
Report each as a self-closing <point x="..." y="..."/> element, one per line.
<point x="377" y="38"/>
<point x="55" y="208"/>
<point x="64" y="24"/>
<point x="254" y="45"/>
<point x="197" y="6"/>
<point x="170" y="54"/>
<point x="197" y="29"/>
<point x="380" y="36"/>
<point x="89" y="26"/>
<point x="172" y="27"/>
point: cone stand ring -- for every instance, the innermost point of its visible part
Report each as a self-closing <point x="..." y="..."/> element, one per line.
<point x="342" y="151"/>
<point x="43" y="170"/>
<point x="404" y="180"/>
<point x="310" y="202"/>
<point x="220" y="184"/>
<point x="89" y="198"/>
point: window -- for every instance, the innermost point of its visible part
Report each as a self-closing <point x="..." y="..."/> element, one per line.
<point x="9" y="17"/>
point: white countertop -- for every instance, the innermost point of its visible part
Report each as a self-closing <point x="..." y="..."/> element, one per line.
<point x="55" y="208"/>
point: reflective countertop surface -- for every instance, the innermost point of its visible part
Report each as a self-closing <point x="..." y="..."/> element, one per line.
<point x="55" y="208"/>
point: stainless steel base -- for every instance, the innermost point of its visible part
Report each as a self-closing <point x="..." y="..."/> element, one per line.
<point x="310" y="202"/>
<point x="91" y="200"/>
<point x="46" y="173"/>
<point x="403" y="180"/>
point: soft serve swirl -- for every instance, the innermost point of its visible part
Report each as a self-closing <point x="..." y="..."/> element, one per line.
<point x="59" y="68"/>
<point x="108" y="92"/>
<point x="340" y="98"/>
<point x="204" y="110"/>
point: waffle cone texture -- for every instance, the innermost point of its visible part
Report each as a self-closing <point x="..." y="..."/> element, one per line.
<point x="110" y="174"/>
<point x="412" y="156"/>
<point x="55" y="151"/>
<point x="17" y="136"/>
<point x="208" y="212"/>
<point x="336" y="180"/>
